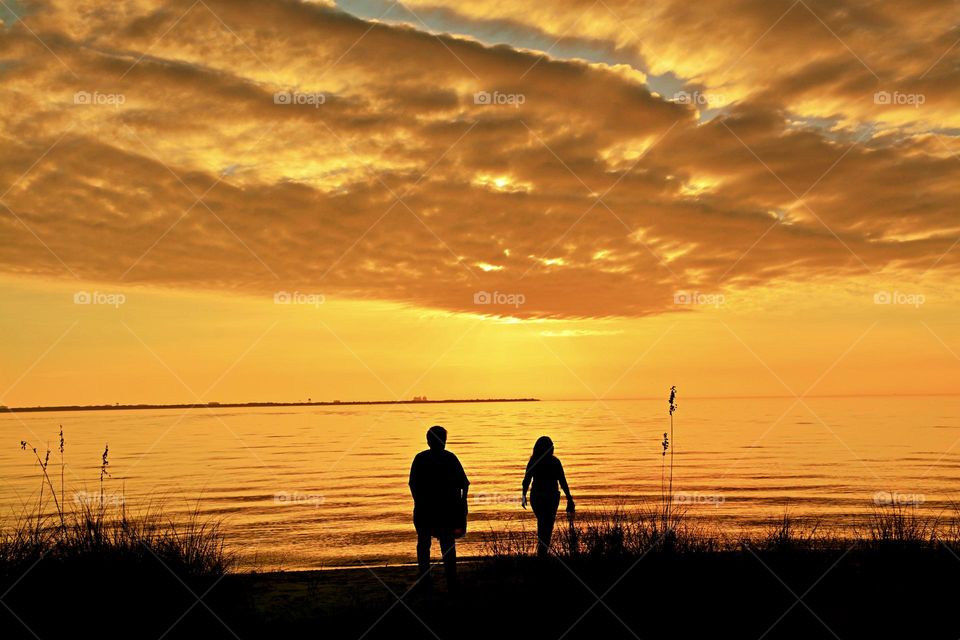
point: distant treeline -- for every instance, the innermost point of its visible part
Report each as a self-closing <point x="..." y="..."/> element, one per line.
<point x="219" y="405"/>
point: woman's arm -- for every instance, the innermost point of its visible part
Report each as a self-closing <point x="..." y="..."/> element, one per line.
<point x="563" y="485"/>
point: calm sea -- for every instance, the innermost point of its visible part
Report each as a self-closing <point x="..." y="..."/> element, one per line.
<point x="326" y="486"/>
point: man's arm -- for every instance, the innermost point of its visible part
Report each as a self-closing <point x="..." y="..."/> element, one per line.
<point x="527" y="477"/>
<point x="414" y="479"/>
<point x="466" y="481"/>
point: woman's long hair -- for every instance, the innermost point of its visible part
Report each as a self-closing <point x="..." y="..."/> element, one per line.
<point x="542" y="449"/>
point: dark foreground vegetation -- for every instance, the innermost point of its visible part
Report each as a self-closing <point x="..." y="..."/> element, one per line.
<point x="613" y="576"/>
<point x="96" y="570"/>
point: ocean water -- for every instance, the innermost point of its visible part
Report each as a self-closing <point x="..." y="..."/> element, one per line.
<point x="312" y="487"/>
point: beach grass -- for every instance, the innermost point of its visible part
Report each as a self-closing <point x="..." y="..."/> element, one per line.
<point x="69" y="566"/>
<point x="622" y="533"/>
<point x="795" y="579"/>
<point x="148" y="571"/>
<point x="79" y="557"/>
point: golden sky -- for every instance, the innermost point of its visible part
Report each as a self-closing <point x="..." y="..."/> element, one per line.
<point x="276" y="200"/>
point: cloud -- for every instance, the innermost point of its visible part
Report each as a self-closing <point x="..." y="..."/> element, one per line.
<point x="148" y="145"/>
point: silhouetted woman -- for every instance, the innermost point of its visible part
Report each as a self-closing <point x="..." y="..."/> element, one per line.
<point x="546" y="473"/>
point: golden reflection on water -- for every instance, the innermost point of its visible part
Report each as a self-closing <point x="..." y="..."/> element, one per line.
<point x="322" y="486"/>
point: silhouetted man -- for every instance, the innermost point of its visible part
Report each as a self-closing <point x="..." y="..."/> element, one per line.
<point x="439" y="487"/>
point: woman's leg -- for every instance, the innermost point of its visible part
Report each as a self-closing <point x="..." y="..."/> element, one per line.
<point x="544" y="533"/>
<point x="546" y="512"/>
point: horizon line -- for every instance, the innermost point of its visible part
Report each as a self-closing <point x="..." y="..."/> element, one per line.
<point x="771" y="396"/>
<point x="424" y="400"/>
<point x="254" y="404"/>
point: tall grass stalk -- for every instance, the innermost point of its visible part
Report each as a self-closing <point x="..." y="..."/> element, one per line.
<point x="62" y="465"/>
<point x="43" y="462"/>
<point x="95" y="532"/>
<point x="665" y="444"/>
<point x="673" y="407"/>
<point x="104" y="463"/>
<point x="666" y="495"/>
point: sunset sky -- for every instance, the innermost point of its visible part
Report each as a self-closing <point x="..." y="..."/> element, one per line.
<point x="233" y="200"/>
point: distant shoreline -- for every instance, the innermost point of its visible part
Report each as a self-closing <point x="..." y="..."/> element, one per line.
<point x="235" y="405"/>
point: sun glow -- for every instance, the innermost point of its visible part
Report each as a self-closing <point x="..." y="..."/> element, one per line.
<point x="502" y="183"/>
<point x="698" y="186"/>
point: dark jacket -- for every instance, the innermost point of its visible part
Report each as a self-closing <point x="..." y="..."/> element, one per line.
<point x="438" y="484"/>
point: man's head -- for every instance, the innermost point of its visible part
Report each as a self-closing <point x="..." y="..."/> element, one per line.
<point x="437" y="437"/>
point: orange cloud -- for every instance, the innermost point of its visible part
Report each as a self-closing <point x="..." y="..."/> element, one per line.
<point x="257" y="147"/>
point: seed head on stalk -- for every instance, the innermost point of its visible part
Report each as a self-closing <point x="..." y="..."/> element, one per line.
<point x="62" y="465"/>
<point x="103" y="470"/>
<point x="665" y="444"/>
<point x="673" y="408"/>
